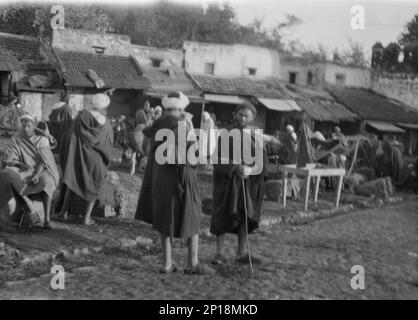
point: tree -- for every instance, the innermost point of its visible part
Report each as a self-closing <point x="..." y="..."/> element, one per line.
<point x="256" y="34"/>
<point x="24" y="19"/>
<point x="354" y="55"/>
<point x="167" y="24"/>
<point x="29" y="19"/>
<point x="315" y="54"/>
<point x="411" y="32"/>
<point x="409" y="39"/>
<point x="160" y="24"/>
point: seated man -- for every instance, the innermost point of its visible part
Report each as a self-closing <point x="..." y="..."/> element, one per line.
<point x="30" y="170"/>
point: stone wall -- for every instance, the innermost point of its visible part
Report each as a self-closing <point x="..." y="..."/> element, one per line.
<point x="82" y="40"/>
<point x="37" y="104"/>
<point x="114" y="44"/>
<point x="398" y="86"/>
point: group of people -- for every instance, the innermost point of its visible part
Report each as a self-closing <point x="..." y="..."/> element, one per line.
<point x="84" y="145"/>
<point x="128" y="133"/>
<point x="169" y="197"/>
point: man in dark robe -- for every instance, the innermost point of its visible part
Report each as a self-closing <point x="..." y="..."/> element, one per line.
<point x="60" y="121"/>
<point x="85" y="156"/>
<point x="232" y="185"/>
<point x="169" y="197"/>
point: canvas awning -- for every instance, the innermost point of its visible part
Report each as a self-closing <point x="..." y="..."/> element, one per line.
<point x="412" y="126"/>
<point x="385" y="127"/>
<point x="280" y="104"/>
<point x="159" y="95"/>
<point x="230" y="99"/>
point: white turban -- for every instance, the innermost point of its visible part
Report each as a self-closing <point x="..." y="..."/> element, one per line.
<point x="58" y="105"/>
<point x="175" y="103"/>
<point x="290" y="128"/>
<point x="206" y="115"/>
<point x="100" y="101"/>
<point x="27" y="117"/>
<point x="319" y="136"/>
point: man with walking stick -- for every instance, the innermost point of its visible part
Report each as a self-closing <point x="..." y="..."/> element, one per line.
<point x="238" y="191"/>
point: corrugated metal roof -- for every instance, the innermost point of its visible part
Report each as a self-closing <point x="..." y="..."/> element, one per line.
<point x="280" y="104"/>
<point x="385" y="127"/>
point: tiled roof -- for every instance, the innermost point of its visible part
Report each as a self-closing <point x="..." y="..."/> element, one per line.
<point x="8" y="62"/>
<point x="326" y="110"/>
<point x="372" y="106"/>
<point x="320" y="105"/>
<point x="19" y="51"/>
<point x="260" y="88"/>
<point x="116" y="71"/>
<point x="169" y="80"/>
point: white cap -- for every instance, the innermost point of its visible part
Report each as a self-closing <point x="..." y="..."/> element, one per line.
<point x="290" y="128"/>
<point x="58" y="105"/>
<point x="100" y="101"/>
<point x="175" y="103"/>
<point x="319" y="136"/>
<point x="27" y="117"/>
<point x="206" y="115"/>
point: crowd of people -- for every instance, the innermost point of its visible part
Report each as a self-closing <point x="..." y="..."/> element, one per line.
<point x="169" y="198"/>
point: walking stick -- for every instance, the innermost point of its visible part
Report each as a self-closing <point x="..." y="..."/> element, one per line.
<point x="246" y="224"/>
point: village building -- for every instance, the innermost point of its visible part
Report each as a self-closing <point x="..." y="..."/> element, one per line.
<point x="111" y="72"/>
<point x="28" y="71"/>
<point x="215" y="77"/>
<point x="305" y="72"/>
<point x="381" y="115"/>
<point x="228" y="75"/>
<point x="273" y="102"/>
<point x="143" y="73"/>
<point x="323" y="111"/>
<point x="93" y="62"/>
<point x="222" y="73"/>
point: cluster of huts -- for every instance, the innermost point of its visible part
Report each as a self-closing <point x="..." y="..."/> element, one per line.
<point x="77" y="64"/>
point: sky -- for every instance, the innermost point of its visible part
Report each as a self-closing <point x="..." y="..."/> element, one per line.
<point x="328" y="22"/>
<point x="324" y="22"/>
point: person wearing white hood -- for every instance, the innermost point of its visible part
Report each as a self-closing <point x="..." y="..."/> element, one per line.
<point x="85" y="156"/>
<point x="169" y="198"/>
<point x="292" y="145"/>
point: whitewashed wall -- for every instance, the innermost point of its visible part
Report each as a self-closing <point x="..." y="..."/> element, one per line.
<point x="230" y="60"/>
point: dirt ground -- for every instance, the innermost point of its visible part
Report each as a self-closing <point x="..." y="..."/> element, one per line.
<point x="311" y="261"/>
<point x="308" y="260"/>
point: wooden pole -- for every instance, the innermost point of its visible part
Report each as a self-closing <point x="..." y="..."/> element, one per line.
<point x="203" y="110"/>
